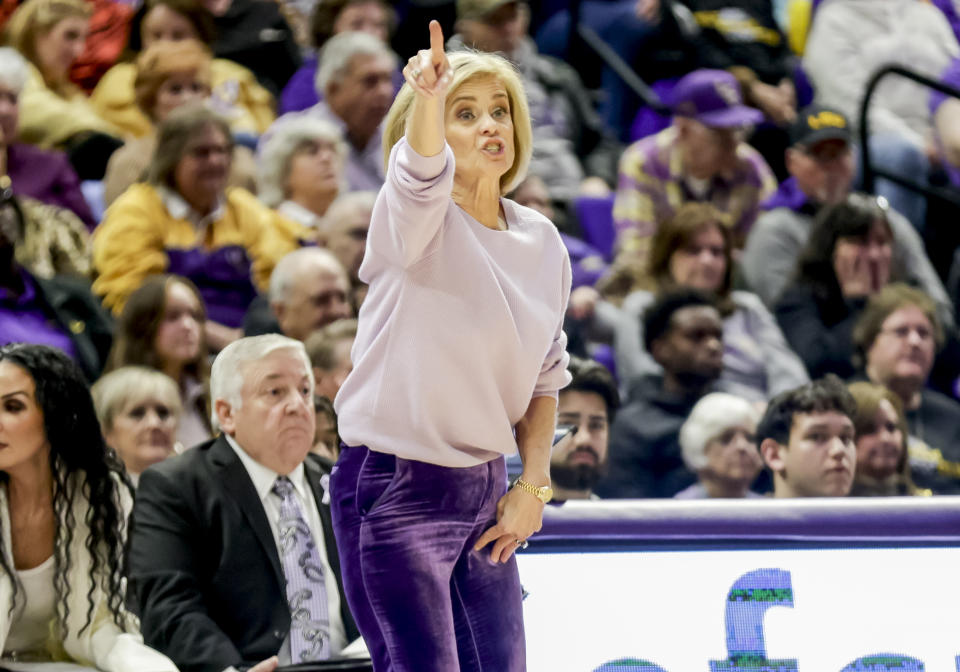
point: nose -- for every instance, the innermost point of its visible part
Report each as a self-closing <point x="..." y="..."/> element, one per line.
<point x="152" y="418"/>
<point x="913" y="337"/>
<point x="582" y="437"/>
<point x="838" y="448"/>
<point x="742" y="443"/>
<point x="299" y="404"/>
<point x="488" y="125"/>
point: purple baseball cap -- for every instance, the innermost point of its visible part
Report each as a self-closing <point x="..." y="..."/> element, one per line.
<point x="713" y="98"/>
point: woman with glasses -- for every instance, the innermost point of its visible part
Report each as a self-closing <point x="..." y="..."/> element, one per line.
<point x="184" y="220"/>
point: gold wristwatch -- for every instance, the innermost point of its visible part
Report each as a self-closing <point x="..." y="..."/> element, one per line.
<point x="544" y="494"/>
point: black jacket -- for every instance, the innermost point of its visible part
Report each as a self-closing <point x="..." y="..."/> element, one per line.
<point x="818" y="326"/>
<point x="69" y="303"/>
<point x="645" y="459"/>
<point x="203" y="569"/>
<point x="254" y="34"/>
<point x="740" y="32"/>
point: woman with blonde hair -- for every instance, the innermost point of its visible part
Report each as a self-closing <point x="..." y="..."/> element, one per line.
<point x="168" y="75"/>
<point x="139" y="410"/>
<point x="55" y="112"/>
<point x="883" y="466"/>
<point x="233" y="89"/>
<point x="458" y="359"/>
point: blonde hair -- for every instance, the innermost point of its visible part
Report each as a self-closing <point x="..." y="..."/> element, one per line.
<point x="130" y="385"/>
<point x="466" y="66"/>
<point x="162" y="61"/>
<point x="36" y="17"/>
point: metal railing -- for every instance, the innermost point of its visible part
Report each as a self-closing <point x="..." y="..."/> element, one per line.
<point x="586" y="36"/>
<point x="870" y="172"/>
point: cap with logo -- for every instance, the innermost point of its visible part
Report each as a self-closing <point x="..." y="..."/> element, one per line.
<point x="713" y="98"/>
<point x="475" y="9"/>
<point x="817" y="123"/>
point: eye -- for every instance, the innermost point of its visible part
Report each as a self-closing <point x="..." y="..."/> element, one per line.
<point x="597" y="425"/>
<point x="13" y="406"/>
<point x="465" y="115"/>
<point x="163" y="412"/>
<point x="500" y="112"/>
<point x="137" y="412"/>
<point x="305" y="391"/>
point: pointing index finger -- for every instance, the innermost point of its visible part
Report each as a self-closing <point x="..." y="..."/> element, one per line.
<point x="436" y="42"/>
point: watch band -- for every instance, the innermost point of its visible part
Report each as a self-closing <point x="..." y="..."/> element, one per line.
<point x="543" y="494"/>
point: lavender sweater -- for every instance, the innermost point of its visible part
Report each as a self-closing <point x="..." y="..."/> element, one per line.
<point x="461" y="326"/>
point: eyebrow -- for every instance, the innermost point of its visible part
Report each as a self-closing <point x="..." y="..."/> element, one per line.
<point x="473" y="98"/>
<point x="823" y="426"/>
<point x="15" y="393"/>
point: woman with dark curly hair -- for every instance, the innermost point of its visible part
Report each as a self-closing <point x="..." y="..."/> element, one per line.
<point x="63" y="507"/>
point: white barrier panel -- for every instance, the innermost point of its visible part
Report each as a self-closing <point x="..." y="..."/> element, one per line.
<point x="828" y="610"/>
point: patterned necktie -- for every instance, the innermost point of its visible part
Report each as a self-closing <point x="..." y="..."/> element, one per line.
<point x="306" y="590"/>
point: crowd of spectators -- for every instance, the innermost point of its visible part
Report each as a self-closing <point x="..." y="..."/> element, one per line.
<point x="746" y="320"/>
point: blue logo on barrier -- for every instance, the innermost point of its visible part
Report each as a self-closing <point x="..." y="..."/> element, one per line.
<point x="747" y="603"/>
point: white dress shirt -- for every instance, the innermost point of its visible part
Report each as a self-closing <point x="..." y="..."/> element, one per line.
<point x="263" y="479"/>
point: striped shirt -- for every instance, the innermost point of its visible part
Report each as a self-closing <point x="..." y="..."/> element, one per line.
<point x="651" y="186"/>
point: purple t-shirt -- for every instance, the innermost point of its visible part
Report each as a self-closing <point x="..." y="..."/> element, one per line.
<point x="950" y="77"/>
<point x="24" y="319"/>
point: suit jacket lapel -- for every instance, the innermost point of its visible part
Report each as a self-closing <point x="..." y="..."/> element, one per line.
<point x="314" y="473"/>
<point x="238" y="485"/>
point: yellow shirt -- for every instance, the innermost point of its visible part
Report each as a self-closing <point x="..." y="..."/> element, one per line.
<point x="138" y="232"/>
<point x="48" y="119"/>
<point x="236" y="94"/>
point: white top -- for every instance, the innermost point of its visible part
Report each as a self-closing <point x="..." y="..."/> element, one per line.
<point x="263" y="480"/>
<point x="462" y="324"/>
<point x="36" y="608"/>
<point x="300" y="214"/>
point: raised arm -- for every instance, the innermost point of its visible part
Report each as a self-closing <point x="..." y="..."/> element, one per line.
<point x="410" y="209"/>
<point x="428" y="73"/>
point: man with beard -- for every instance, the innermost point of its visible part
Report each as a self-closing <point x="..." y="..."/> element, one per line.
<point x="822" y="169"/>
<point x="806" y="437"/>
<point x="897" y="337"/>
<point x="588" y="403"/>
<point x="683" y="332"/>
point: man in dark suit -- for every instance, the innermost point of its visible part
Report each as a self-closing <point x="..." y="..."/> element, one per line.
<point x="232" y="558"/>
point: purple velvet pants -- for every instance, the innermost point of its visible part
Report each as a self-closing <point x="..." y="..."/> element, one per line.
<point x="423" y="600"/>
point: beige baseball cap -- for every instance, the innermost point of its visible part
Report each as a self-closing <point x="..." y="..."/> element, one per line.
<point x="475" y="9"/>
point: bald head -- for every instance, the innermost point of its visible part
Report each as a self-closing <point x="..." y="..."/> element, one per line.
<point x="345" y="228"/>
<point x="308" y="290"/>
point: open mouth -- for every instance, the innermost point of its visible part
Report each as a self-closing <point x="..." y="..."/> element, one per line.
<point x="494" y="147"/>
